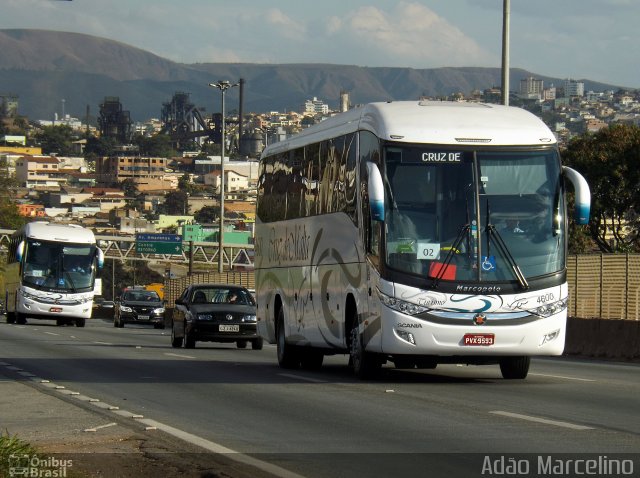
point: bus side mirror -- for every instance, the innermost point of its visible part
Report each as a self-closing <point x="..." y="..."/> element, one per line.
<point x="583" y="194"/>
<point x="376" y="193"/>
<point x="100" y="257"/>
<point x="20" y="251"/>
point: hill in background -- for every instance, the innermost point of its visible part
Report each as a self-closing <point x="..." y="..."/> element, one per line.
<point x="43" y="67"/>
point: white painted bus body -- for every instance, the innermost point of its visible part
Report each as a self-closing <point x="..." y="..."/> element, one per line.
<point x="311" y="269"/>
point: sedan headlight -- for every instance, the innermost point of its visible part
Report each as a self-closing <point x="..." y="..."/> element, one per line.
<point x="547" y="310"/>
<point x="248" y="318"/>
<point x="205" y="316"/>
<point x="124" y="308"/>
<point x="159" y="310"/>
<point x="401" y="305"/>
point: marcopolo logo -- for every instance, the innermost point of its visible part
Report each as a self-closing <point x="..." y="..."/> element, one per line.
<point x="38" y="467"/>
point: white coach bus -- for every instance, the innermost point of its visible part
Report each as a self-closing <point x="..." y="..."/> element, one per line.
<point x="417" y="233"/>
<point x="51" y="273"/>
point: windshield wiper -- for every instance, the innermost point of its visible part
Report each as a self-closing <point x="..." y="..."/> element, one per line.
<point x="68" y="277"/>
<point x="452" y="250"/>
<point x="504" y="250"/>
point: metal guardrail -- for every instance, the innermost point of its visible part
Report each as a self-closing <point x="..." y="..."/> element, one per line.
<point x="123" y="248"/>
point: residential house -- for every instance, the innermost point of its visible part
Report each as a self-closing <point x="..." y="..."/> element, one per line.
<point x="31" y="210"/>
<point x="39" y="173"/>
<point x="107" y="198"/>
<point x="235" y="185"/>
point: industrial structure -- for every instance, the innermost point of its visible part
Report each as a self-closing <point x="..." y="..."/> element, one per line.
<point x="183" y="121"/>
<point x="114" y="122"/>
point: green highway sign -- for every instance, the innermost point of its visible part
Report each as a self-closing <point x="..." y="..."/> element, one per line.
<point x="159" y="244"/>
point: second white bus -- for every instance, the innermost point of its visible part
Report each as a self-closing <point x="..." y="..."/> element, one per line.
<point x="51" y="273"/>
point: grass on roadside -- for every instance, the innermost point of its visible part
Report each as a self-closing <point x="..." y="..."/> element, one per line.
<point x="12" y="446"/>
<point x="12" y="449"/>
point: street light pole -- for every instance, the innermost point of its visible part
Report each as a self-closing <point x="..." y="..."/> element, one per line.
<point x="506" y="15"/>
<point x="222" y="86"/>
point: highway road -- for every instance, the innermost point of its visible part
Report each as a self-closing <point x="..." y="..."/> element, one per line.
<point x="452" y="421"/>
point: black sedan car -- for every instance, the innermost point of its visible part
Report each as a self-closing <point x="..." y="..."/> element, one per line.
<point x="139" y="306"/>
<point x="215" y="313"/>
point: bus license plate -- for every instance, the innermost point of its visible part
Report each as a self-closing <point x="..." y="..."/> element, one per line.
<point x="55" y="309"/>
<point x="229" y="328"/>
<point x="478" y="339"/>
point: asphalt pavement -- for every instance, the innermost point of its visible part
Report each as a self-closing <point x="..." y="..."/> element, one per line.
<point x="83" y="436"/>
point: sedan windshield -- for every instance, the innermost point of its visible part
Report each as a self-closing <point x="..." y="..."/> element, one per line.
<point x="217" y="295"/>
<point x="473" y="216"/>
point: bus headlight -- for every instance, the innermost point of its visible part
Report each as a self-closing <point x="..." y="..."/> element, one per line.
<point x="547" y="310"/>
<point x="401" y="305"/>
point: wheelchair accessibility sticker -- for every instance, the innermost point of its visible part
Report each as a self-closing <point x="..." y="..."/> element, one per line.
<point x="488" y="263"/>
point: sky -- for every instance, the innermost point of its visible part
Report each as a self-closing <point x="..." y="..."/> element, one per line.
<point x="580" y="39"/>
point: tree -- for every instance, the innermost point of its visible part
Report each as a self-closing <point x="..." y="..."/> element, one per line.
<point x="158" y="145"/>
<point x="56" y="139"/>
<point x="10" y="218"/>
<point x="132" y="196"/>
<point x="99" y="147"/>
<point x="185" y="185"/>
<point x="207" y="214"/>
<point x="176" y="203"/>
<point x="610" y="162"/>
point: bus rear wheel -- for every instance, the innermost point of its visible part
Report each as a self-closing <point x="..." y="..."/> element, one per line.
<point x="515" y="368"/>
<point x="288" y="356"/>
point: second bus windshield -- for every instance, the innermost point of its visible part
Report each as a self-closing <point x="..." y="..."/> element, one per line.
<point x="455" y="207"/>
<point x="55" y="266"/>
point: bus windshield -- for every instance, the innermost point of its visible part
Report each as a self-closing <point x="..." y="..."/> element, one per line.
<point x="473" y="215"/>
<point x="59" y="267"/>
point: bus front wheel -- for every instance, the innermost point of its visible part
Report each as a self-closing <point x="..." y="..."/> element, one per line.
<point x="364" y="364"/>
<point x="21" y="318"/>
<point x="515" y="368"/>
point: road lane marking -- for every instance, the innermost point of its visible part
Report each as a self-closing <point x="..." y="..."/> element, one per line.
<point x="563" y="377"/>
<point x="52" y="333"/>
<point x="103" y="343"/>
<point x="529" y="418"/>
<point x="95" y="429"/>
<point x="220" y="449"/>
<point x="179" y="355"/>
<point x="301" y="377"/>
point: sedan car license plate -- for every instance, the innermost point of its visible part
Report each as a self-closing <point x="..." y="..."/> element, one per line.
<point x="143" y="317"/>
<point x="478" y="339"/>
<point x="229" y="328"/>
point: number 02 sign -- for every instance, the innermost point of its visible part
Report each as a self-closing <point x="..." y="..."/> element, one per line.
<point x="428" y="250"/>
